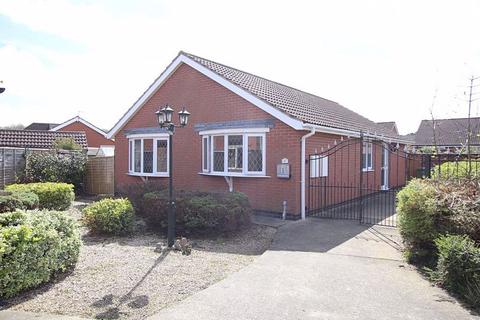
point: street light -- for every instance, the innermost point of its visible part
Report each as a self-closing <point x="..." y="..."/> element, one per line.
<point x="164" y="116"/>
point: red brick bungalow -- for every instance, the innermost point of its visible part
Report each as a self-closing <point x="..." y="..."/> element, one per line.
<point x="241" y="127"/>
<point x="96" y="137"/>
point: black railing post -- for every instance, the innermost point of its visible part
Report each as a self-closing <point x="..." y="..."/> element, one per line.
<point x="360" y="216"/>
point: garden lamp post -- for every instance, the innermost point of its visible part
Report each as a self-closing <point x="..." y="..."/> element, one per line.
<point x="164" y="116"/>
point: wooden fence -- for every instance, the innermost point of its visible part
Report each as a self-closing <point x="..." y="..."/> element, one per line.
<point x="12" y="164"/>
<point x="99" y="176"/>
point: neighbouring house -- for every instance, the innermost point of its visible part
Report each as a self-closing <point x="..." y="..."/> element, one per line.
<point x="41" y="126"/>
<point x="449" y="135"/>
<point x="390" y="126"/>
<point x="14" y="144"/>
<point x="246" y="134"/>
<point x="97" y="142"/>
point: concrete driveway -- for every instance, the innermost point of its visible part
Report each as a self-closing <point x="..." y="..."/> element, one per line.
<point x="324" y="269"/>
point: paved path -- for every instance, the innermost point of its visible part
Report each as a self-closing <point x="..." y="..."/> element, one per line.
<point x="323" y="269"/>
<point x="22" y="315"/>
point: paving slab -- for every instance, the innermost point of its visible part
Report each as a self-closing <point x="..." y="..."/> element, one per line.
<point x="22" y="315"/>
<point x="324" y="269"/>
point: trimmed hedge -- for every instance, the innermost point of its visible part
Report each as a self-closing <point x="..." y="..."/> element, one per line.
<point x="53" y="166"/>
<point x="34" y="246"/>
<point x="458" y="169"/>
<point x="52" y="196"/>
<point x="199" y="211"/>
<point x="458" y="267"/>
<point x="10" y="201"/>
<point x="110" y="216"/>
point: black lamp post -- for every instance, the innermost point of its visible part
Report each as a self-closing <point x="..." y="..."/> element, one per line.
<point x="164" y="116"/>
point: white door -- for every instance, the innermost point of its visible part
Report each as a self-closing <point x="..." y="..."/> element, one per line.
<point x="384" y="168"/>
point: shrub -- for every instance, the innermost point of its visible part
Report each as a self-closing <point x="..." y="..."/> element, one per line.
<point x="416" y="210"/>
<point x="199" y="211"/>
<point x="456" y="169"/>
<point x="34" y="246"/>
<point x="458" y="267"/>
<point x="135" y="192"/>
<point x="56" y="167"/>
<point x="10" y="201"/>
<point x="110" y="216"/>
<point x="52" y="196"/>
<point x="67" y="143"/>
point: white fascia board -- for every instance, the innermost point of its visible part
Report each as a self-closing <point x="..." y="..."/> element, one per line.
<point x="236" y="130"/>
<point x="350" y="133"/>
<point x="81" y="120"/>
<point x="147" y="135"/>
<point x="181" y="58"/>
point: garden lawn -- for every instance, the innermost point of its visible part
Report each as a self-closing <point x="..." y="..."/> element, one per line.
<point x="124" y="277"/>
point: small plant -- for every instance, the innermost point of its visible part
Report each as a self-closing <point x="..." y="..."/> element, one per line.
<point x="66" y="143"/>
<point x="34" y="246"/>
<point x="110" y="216"/>
<point x="183" y="245"/>
<point x="10" y="201"/>
<point x="52" y="196"/>
<point x="458" y="267"/>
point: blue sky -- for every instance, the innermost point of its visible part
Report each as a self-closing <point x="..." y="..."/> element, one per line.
<point x="387" y="60"/>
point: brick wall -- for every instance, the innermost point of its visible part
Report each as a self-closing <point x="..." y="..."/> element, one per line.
<point x="207" y="102"/>
<point x="94" y="139"/>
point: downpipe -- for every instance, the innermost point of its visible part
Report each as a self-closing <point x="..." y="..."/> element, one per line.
<point x="303" y="171"/>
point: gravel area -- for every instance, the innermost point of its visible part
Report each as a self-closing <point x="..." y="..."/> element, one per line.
<point x="125" y="278"/>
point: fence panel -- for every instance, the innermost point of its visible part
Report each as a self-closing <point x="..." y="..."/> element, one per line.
<point x="12" y="163"/>
<point x="100" y="175"/>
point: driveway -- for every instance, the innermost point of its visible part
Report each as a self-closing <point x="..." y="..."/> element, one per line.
<point x="324" y="269"/>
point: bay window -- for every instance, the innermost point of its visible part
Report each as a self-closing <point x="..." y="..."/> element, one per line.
<point x="148" y="156"/>
<point x="234" y="154"/>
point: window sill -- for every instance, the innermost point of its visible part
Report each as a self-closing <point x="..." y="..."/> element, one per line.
<point x="231" y="174"/>
<point x="368" y="170"/>
<point x="136" y="174"/>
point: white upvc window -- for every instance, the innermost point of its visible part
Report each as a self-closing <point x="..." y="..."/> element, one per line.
<point x="318" y="166"/>
<point x="234" y="154"/>
<point x="148" y="155"/>
<point x="367" y="156"/>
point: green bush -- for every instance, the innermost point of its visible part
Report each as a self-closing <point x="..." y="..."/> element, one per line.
<point x="34" y="246"/>
<point x="136" y="191"/>
<point x="110" y="216"/>
<point x="199" y="211"/>
<point x="10" y="201"/>
<point x="416" y="218"/>
<point x="458" y="267"/>
<point x="456" y="169"/>
<point x="52" y="196"/>
<point x="55" y="166"/>
<point x="67" y="143"/>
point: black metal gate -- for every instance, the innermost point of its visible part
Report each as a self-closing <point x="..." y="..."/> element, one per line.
<point x="358" y="179"/>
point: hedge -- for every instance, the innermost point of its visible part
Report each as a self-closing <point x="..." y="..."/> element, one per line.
<point x="199" y="211"/>
<point x="54" y="166"/>
<point x="110" y="216"/>
<point x="456" y="169"/>
<point x="458" y="267"/>
<point x="52" y="196"/>
<point x="10" y="201"/>
<point x="34" y="246"/>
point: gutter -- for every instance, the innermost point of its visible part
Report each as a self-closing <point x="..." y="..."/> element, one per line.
<point x="303" y="171"/>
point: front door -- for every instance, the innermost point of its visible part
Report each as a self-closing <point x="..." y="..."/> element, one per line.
<point x="384" y="168"/>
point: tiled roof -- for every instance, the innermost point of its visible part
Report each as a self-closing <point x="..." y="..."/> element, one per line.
<point x="40" y="126"/>
<point x="448" y="132"/>
<point x="389" y="125"/>
<point x="37" y="139"/>
<point x="304" y="106"/>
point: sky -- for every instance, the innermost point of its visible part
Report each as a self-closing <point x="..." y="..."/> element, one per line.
<point x="387" y="60"/>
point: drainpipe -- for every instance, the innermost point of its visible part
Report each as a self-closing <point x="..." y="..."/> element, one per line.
<point x="302" y="181"/>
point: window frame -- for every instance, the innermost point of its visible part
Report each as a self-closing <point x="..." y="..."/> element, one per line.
<point x="318" y="166"/>
<point x="367" y="150"/>
<point x="210" y="137"/>
<point x="131" y="155"/>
